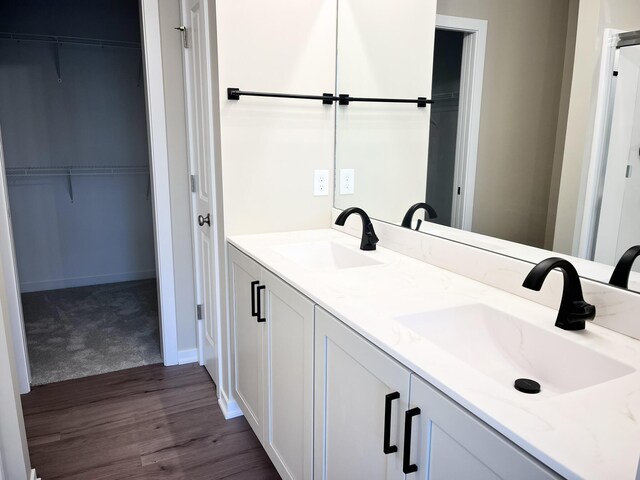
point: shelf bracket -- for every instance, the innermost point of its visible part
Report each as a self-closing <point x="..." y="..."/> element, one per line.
<point x="70" y="185"/>
<point x="57" y="60"/>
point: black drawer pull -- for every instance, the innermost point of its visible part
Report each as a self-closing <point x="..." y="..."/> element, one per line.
<point x="407" y="466"/>
<point x="258" y="290"/>
<point x="386" y="447"/>
<point x="254" y="311"/>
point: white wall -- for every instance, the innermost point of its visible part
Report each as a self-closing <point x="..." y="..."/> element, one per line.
<point x="95" y="117"/>
<point x="384" y="50"/>
<point x="105" y="235"/>
<point x="270" y="147"/>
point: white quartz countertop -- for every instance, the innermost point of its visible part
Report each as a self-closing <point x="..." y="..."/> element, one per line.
<point x="593" y="432"/>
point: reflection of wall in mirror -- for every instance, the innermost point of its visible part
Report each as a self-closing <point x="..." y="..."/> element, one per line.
<point x="523" y="76"/>
<point x="594" y="17"/>
<point x="384" y="51"/>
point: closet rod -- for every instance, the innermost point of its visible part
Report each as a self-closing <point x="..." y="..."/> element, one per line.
<point x="327" y="98"/>
<point x="28" y="37"/>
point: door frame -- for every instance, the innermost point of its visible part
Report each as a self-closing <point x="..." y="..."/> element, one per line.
<point x="468" y="134"/>
<point x="159" y="163"/>
<point x="594" y="186"/>
<point x="160" y="195"/>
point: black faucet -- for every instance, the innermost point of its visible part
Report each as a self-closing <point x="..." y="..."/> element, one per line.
<point x="406" y="221"/>
<point x="573" y="309"/>
<point x="620" y="276"/>
<point x="369" y="238"/>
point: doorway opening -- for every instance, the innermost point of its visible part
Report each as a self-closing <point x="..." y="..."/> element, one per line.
<point x="458" y="68"/>
<point x="447" y="65"/>
<point x="614" y="226"/>
<point x="74" y="126"/>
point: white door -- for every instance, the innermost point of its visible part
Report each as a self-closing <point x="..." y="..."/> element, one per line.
<point x="197" y="76"/>
<point x="617" y="225"/>
<point x="359" y="390"/>
<point x="14" y="303"/>
<point x="629" y="228"/>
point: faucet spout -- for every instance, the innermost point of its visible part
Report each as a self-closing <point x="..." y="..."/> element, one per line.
<point x="620" y="275"/>
<point x="369" y="237"/>
<point x="406" y="221"/>
<point x="573" y="309"/>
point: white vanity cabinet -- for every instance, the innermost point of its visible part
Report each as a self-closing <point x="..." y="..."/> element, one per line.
<point x="352" y="380"/>
<point x="248" y="344"/>
<point x="273" y="363"/>
<point x="354" y="383"/>
<point x="449" y="443"/>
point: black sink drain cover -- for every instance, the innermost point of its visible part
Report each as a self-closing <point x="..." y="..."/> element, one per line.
<point x="526" y="385"/>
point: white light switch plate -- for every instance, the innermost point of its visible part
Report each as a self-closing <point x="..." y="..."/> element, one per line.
<point x="347" y="181"/>
<point x="320" y="183"/>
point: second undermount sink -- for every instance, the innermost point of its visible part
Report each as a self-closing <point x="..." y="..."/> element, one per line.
<point x="324" y="255"/>
<point x="505" y="348"/>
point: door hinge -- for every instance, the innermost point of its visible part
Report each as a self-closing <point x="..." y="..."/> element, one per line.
<point x="185" y="35"/>
<point x="193" y="183"/>
<point x="199" y="311"/>
<point x="628" y="172"/>
<point x="458" y="190"/>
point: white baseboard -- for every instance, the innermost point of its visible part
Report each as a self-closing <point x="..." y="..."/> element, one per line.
<point x="34" y="475"/>
<point x="230" y="409"/>
<point x="187" y="356"/>
<point x="55" y="284"/>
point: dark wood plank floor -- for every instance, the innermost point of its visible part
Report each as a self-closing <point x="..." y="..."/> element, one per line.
<point x="151" y="422"/>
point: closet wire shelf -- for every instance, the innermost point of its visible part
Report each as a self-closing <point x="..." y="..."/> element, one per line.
<point x="69" y="172"/>
<point x="57" y="39"/>
<point x="74" y="171"/>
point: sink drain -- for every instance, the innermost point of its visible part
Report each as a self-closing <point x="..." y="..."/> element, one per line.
<point x="526" y="385"/>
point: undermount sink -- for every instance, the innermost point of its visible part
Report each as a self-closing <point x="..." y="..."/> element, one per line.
<point x="505" y="348"/>
<point x="324" y="255"/>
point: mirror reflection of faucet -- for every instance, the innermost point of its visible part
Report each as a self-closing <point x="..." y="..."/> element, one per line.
<point x="431" y="213"/>
<point x="573" y="309"/>
<point x="369" y="237"/>
<point x="620" y="275"/>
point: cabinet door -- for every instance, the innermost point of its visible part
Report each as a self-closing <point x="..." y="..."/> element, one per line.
<point x="352" y="381"/>
<point x="448" y="443"/>
<point x="289" y="379"/>
<point x="247" y="337"/>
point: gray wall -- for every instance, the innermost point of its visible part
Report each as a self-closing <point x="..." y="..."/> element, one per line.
<point x="95" y="117"/>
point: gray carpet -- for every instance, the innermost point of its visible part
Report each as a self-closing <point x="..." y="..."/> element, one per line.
<point x="77" y="332"/>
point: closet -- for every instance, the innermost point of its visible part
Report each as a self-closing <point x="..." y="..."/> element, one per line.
<point x="72" y="114"/>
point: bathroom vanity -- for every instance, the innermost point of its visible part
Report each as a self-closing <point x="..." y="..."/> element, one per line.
<point x="352" y="364"/>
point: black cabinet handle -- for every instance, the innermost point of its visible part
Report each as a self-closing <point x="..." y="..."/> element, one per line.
<point x="258" y="290"/>
<point x="386" y="447"/>
<point x="254" y="311"/>
<point x="407" y="466"/>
